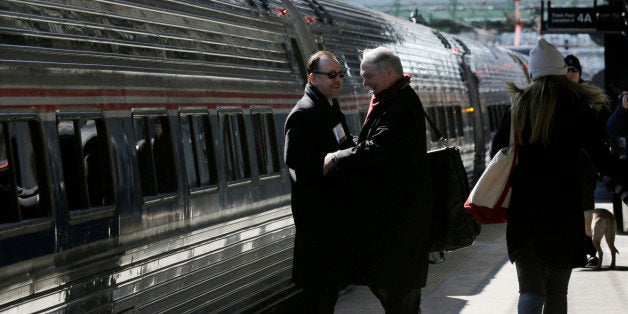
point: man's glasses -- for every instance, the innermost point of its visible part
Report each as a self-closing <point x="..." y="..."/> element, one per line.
<point x="332" y="75"/>
<point x="574" y="70"/>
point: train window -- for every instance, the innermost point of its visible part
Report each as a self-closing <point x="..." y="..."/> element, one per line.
<point x="458" y="118"/>
<point x="441" y="121"/>
<point x="503" y="110"/>
<point x="23" y="183"/>
<point x="497" y="115"/>
<point x="492" y="118"/>
<point x="155" y="154"/>
<point x="265" y="143"/>
<point x="86" y="162"/>
<point x="198" y="149"/>
<point x="451" y="121"/>
<point x="234" y="145"/>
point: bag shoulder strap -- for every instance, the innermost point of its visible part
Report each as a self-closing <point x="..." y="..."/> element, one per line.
<point x="512" y="140"/>
<point x="512" y="127"/>
<point x="437" y="132"/>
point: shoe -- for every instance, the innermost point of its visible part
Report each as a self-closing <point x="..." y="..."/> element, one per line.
<point x="592" y="261"/>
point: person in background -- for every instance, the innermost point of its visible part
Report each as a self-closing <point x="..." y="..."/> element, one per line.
<point x="555" y="129"/>
<point x="315" y="127"/>
<point x="617" y="124"/>
<point x="574" y="69"/>
<point x="601" y="114"/>
<point x="617" y="127"/>
<point x="388" y="233"/>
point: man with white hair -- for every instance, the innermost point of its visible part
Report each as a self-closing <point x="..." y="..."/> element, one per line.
<point x="388" y="234"/>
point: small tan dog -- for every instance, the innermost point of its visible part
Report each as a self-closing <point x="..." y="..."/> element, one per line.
<point x="598" y="223"/>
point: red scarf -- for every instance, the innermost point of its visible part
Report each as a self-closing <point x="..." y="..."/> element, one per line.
<point x="388" y="93"/>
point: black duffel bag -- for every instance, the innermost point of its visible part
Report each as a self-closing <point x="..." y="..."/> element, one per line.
<point x="453" y="227"/>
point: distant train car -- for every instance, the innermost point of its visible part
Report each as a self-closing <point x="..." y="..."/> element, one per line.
<point x="141" y="142"/>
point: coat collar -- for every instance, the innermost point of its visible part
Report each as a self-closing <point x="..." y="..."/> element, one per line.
<point x="318" y="98"/>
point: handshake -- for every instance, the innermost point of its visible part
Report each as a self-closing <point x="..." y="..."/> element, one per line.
<point x="329" y="163"/>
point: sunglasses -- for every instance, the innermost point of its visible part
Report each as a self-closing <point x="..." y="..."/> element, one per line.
<point x="574" y="70"/>
<point x="332" y="75"/>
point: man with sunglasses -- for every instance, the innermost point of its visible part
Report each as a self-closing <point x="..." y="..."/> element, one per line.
<point x="574" y="69"/>
<point x="389" y="233"/>
<point x="316" y="126"/>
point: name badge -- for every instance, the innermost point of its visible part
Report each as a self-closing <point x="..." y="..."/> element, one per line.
<point x="339" y="133"/>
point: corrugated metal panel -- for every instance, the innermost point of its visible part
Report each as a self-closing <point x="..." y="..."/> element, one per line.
<point x="212" y="37"/>
<point x="202" y="269"/>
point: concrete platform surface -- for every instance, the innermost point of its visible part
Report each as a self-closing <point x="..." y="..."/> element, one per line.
<point x="479" y="279"/>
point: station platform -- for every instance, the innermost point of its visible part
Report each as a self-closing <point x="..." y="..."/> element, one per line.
<point x="480" y="279"/>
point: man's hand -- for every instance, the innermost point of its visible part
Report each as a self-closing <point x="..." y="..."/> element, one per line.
<point x="330" y="163"/>
<point x="624" y="100"/>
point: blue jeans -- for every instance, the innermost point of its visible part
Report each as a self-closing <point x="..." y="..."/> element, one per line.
<point x="542" y="288"/>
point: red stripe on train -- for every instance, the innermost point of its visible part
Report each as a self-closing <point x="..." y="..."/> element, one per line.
<point x="128" y="106"/>
<point x="87" y="92"/>
<point x="56" y="92"/>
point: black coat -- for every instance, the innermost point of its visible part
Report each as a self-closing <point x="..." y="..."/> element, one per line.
<point x="600" y="116"/>
<point x="617" y="124"/>
<point x="309" y="131"/>
<point x="388" y="226"/>
<point x="549" y="182"/>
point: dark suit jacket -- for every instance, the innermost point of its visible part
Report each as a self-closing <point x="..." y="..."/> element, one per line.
<point x="389" y="227"/>
<point x="309" y="131"/>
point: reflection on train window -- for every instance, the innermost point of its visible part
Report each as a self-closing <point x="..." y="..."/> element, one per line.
<point x="198" y="149"/>
<point x="23" y="183"/>
<point x="448" y="120"/>
<point x="155" y="154"/>
<point x="86" y="162"/>
<point x="234" y="145"/>
<point x="454" y="121"/>
<point x="265" y="143"/>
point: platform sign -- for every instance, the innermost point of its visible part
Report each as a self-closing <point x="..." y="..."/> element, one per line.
<point x="571" y="18"/>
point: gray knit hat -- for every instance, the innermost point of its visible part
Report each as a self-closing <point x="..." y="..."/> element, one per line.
<point x="546" y="60"/>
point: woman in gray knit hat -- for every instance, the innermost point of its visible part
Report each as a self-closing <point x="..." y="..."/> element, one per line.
<point x="554" y="128"/>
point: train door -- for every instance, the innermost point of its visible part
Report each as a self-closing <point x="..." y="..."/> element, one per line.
<point x="473" y="89"/>
<point x="236" y="157"/>
<point x="197" y="139"/>
<point x="266" y="152"/>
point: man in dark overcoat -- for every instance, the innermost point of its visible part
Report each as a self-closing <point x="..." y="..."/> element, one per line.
<point x="315" y="127"/>
<point x="388" y="236"/>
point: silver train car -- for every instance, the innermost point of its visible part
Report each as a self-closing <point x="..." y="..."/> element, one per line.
<point x="141" y="142"/>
